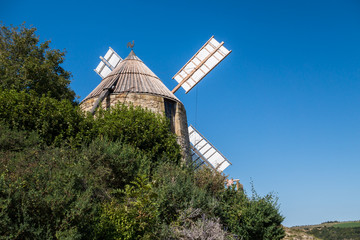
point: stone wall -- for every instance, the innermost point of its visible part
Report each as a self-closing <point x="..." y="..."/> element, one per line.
<point x="153" y="103"/>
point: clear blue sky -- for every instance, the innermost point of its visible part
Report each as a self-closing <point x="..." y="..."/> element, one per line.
<point x="284" y="107"/>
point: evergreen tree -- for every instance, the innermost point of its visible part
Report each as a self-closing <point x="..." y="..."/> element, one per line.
<point x="26" y="64"/>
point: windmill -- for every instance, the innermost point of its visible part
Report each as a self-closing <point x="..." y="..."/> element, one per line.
<point x="131" y="75"/>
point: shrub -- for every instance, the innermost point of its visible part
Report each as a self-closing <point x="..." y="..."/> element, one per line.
<point x="212" y="181"/>
<point x="254" y="218"/>
<point x="140" y="128"/>
<point x="177" y="191"/>
<point x="51" y="193"/>
<point x="121" y="162"/>
<point x="15" y="140"/>
<point x="130" y="215"/>
<point x="55" y="121"/>
<point x="45" y="194"/>
<point x="194" y="225"/>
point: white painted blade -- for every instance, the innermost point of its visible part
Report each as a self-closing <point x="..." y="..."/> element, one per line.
<point x="110" y="60"/>
<point x="205" y="60"/>
<point x="204" y="150"/>
<point x="102" y="70"/>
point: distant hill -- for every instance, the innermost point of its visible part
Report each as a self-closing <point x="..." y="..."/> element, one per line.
<point x="333" y="230"/>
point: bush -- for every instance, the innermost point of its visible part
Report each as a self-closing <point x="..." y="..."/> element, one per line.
<point x="212" y="181"/>
<point x="177" y="191"/>
<point x="45" y="194"/>
<point x="254" y="218"/>
<point x="194" y="225"/>
<point x="51" y="193"/>
<point x="140" y="128"/>
<point x="130" y="215"/>
<point x="55" y="121"/>
<point x="60" y="167"/>
<point x="15" y="140"/>
<point x="121" y="162"/>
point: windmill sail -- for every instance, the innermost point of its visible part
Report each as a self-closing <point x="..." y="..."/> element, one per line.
<point x="105" y="67"/>
<point x="205" y="60"/>
<point x="202" y="149"/>
<point x="107" y="63"/>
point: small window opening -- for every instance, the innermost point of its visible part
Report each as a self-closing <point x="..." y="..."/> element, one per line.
<point x="170" y="108"/>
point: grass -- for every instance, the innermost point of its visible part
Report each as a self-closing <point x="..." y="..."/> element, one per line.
<point x="347" y="225"/>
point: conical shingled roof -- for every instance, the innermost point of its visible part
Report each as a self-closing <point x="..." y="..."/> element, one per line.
<point x="133" y="76"/>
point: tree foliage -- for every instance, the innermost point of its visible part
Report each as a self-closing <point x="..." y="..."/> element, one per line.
<point x="28" y="65"/>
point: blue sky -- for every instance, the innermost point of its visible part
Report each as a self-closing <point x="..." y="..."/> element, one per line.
<point x="283" y="107"/>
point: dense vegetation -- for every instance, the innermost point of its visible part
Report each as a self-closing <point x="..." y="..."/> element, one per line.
<point x="67" y="175"/>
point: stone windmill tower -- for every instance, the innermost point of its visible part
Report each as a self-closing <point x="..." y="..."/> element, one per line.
<point x="131" y="81"/>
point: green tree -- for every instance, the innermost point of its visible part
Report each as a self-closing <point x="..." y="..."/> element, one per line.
<point x="28" y="65"/>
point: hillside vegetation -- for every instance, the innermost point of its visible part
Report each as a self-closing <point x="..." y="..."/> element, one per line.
<point x="332" y="230"/>
<point x="347" y="225"/>
<point x="65" y="174"/>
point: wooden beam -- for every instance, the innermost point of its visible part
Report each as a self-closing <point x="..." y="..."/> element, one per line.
<point x="103" y="95"/>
